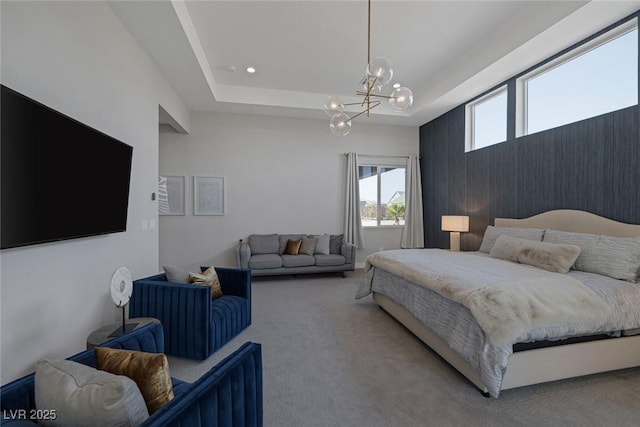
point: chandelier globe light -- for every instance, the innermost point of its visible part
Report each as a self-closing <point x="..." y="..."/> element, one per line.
<point x="378" y="74"/>
<point x="380" y="71"/>
<point x="333" y="106"/>
<point x="340" y="124"/>
<point x="401" y="99"/>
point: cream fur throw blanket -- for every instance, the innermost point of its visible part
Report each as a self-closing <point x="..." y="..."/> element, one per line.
<point x="505" y="298"/>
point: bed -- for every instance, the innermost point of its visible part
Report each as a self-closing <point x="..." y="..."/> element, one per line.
<point x="598" y="332"/>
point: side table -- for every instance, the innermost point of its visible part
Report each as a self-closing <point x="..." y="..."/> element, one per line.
<point x="101" y="335"/>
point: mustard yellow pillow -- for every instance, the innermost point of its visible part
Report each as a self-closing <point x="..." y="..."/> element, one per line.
<point x="293" y="247"/>
<point x="208" y="278"/>
<point x="150" y="371"/>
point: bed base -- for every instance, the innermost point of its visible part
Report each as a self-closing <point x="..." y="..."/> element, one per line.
<point x="530" y="366"/>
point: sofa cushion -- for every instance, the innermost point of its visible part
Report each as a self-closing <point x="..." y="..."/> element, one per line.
<point x="323" y="245"/>
<point x="329" y="260"/>
<point x="298" y="260"/>
<point x="83" y="395"/>
<point x="293" y="247"/>
<point x="265" y="261"/>
<point x="150" y="371"/>
<point x="284" y="238"/>
<point x="263" y="244"/>
<point x="308" y="245"/>
<point x="335" y="243"/>
<point x="208" y="278"/>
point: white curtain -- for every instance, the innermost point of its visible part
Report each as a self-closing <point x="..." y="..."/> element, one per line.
<point x="413" y="231"/>
<point x="352" y="221"/>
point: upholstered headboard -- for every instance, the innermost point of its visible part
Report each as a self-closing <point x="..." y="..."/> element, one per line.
<point x="573" y="221"/>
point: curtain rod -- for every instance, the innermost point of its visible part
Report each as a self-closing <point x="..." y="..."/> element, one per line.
<point x="380" y="155"/>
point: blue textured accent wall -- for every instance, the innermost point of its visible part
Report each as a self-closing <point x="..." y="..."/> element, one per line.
<point x="591" y="165"/>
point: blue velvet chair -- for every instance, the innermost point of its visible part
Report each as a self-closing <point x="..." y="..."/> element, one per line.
<point x="229" y="394"/>
<point x="195" y="325"/>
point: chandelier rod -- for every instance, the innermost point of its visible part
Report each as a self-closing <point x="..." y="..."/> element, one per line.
<point x="375" y="104"/>
<point x="369" y="84"/>
<point x="376" y="77"/>
<point x="369" y="36"/>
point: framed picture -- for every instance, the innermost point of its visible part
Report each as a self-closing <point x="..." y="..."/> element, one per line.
<point x="208" y="195"/>
<point x="170" y="195"/>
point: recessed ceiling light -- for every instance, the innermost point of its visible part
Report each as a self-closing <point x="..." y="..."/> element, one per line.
<point x="251" y="70"/>
<point x="230" y="68"/>
<point x="396" y="86"/>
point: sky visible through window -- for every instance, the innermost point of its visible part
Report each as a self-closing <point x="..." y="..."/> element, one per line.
<point x="599" y="81"/>
<point x="392" y="181"/>
<point x="602" y="80"/>
<point x="490" y="121"/>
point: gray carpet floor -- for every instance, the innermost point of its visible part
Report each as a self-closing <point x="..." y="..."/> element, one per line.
<point x="331" y="360"/>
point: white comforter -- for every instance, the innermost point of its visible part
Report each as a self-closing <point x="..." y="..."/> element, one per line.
<point x="505" y="298"/>
<point x="457" y="325"/>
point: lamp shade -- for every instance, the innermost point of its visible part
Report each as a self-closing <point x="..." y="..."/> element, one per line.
<point x="455" y="223"/>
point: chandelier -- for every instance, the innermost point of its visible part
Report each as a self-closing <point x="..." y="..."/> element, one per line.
<point x="378" y="74"/>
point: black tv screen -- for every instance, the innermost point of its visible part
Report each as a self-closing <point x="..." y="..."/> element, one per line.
<point x="61" y="179"/>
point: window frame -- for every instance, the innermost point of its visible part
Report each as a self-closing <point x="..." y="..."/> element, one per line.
<point x="521" y="110"/>
<point x="382" y="162"/>
<point x="470" y="117"/>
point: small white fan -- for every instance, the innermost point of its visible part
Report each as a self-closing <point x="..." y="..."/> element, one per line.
<point x="121" y="289"/>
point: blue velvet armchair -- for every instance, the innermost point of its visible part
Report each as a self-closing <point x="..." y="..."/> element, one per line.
<point x="195" y="325"/>
<point x="229" y="394"/>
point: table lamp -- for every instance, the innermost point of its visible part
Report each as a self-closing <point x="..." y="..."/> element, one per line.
<point x="455" y="224"/>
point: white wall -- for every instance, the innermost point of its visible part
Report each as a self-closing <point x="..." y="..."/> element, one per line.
<point x="282" y="175"/>
<point x="77" y="57"/>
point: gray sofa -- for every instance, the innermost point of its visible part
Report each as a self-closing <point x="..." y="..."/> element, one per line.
<point x="264" y="254"/>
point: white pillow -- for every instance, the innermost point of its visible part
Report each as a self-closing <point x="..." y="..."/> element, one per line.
<point x="554" y="257"/>
<point x="84" y="396"/>
<point x="179" y="274"/>
<point x="322" y="245"/>
<point x="492" y="233"/>
<point x="616" y="257"/>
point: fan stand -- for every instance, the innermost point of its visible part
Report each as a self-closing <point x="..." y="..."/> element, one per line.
<point x="126" y="327"/>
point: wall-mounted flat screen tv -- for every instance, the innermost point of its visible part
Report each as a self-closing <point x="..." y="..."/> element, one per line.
<point x="61" y="179"/>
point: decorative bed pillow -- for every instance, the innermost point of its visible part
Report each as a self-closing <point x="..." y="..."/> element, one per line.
<point x="553" y="257"/>
<point x="208" y="278"/>
<point x="264" y="244"/>
<point x="308" y="245"/>
<point x="178" y="274"/>
<point x="616" y="257"/>
<point x="150" y="371"/>
<point x="323" y="245"/>
<point x="293" y="247"/>
<point x="492" y="233"/>
<point x="82" y="395"/>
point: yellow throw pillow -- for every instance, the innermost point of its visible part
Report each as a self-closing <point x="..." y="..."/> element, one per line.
<point x="150" y="371"/>
<point x="293" y="246"/>
<point x="208" y="278"/>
